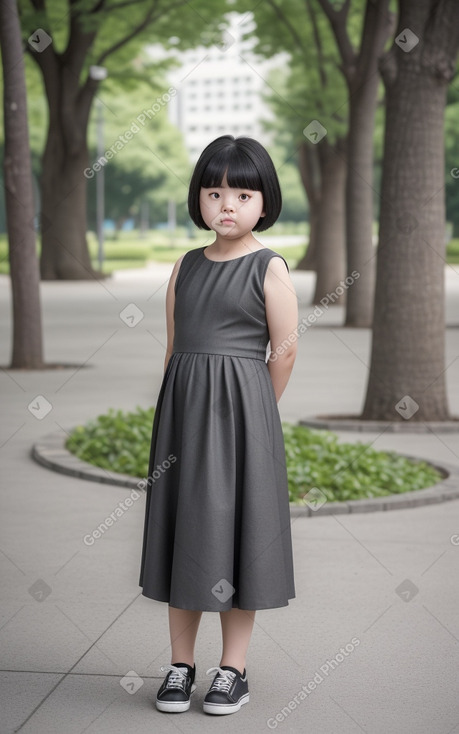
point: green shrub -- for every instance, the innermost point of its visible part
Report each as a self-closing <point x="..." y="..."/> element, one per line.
<point x="452" y="251"/>
<point x="116" y="441"/>
<point x="120" y="442"/>
<point x="346" y="471"/>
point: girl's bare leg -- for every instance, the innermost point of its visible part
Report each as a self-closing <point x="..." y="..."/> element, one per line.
<point x="183" y="628"/>
<point x="237" y="626"/>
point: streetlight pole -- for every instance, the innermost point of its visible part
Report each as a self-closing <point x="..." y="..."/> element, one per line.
<point x="100" y="184"/>
<point x="99" y="73"/>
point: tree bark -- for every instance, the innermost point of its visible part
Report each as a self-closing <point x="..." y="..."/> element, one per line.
<point x="309" y="168"/>
<point x="408" y="350"/>
<point x="360" y="71"/>
<point x="64" y="247"/>
<point x="24" y="272"/>
<point x="64" y="253"/>
<point x="363" y="93"/>
<point x="309" y="261"/>
<point x="359" y="211"/>
<point x="330" y="238"/>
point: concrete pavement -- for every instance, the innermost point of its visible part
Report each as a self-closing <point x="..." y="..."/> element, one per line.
<point x="371" y="642"/>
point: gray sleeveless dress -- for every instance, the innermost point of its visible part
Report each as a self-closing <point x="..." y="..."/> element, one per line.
<point x="217" y="521"/>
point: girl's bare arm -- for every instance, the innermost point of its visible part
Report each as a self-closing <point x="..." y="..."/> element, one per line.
<point x="282" y="318"/>
<point x="170" y="303"/>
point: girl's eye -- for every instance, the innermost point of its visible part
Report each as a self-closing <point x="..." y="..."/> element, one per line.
<point x="215" y="195"/>
<point x="244" y="197"/>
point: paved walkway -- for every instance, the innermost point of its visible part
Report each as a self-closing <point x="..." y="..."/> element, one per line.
<point x="371" y="642"/>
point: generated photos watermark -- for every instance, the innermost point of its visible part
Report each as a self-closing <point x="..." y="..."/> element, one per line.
<point x="39" y="590"/>
<point x="407" y="590"/>
<point x="131" y="315"/>
<point x="320" y="675"/>
<point x="39" y="40"/>
<point x="407" y="40"/>
<point x="110" y="520"/>
<point x="307" y="321"/>
<point x="315" y="498"/>
<point x="131" y="682"/>
<point x="136" y="126"/>
<point x="314" y="132"/>
<point x="39" y="407"/>
<point x="223" y="590"/>
<point x="407" y="407"/>
<point x="157" y="472"/>
<point x="122" y="507"/>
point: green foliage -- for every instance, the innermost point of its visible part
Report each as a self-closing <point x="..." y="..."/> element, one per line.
<point x="294" y="204"/>
<point x="107" y="25"/>
<point x="120" y="442"/>
<point x="150" y="168"/>
<point x="117" y="441"/>
<point x="137" y="43"/>
<point x="311" y="87"/>
<point x="346" y="471"/>
<point x="453" y="252"/>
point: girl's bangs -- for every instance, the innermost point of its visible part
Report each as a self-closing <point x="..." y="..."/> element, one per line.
<point x="241" y="172"/>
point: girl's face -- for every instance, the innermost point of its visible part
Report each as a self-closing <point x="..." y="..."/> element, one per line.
<point x="231" y="213"/>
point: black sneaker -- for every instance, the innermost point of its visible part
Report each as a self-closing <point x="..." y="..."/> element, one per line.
<point x="228" y="692"/>
<point x="176" y="689"/>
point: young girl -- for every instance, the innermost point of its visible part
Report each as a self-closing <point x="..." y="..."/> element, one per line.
<point x="217" y="524"/>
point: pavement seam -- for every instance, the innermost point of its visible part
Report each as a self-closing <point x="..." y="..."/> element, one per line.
<point x="65" y="675"/>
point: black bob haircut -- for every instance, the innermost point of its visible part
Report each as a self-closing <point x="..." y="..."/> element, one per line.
<point x="247" y="165"/>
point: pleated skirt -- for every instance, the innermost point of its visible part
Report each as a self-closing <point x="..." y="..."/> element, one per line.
<point x="217" y="521"/>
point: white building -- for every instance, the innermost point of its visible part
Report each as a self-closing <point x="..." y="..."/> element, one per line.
<point x="219" y="91"/>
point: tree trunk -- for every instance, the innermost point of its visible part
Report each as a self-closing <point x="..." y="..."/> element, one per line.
<point x="359" y="209"/>
<point x="309" y="261"/>
<point x="309" y="167"/>
<point x="363" y="93"/>
<point x="407" y="372"/>
<point x="64" y="253"/>
<point x="330" y="222"/>
<point x="24" y="272"/>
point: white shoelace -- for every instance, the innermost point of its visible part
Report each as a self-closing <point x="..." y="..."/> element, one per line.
<point x="177" y="678"/>
<point x="224" y="680"/>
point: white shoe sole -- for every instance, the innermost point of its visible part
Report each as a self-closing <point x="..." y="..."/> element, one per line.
<point x="177" y="707"/>
<point x="225" y="708"/>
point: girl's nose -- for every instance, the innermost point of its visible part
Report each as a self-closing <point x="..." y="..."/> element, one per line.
<point x="227" y="206"/>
